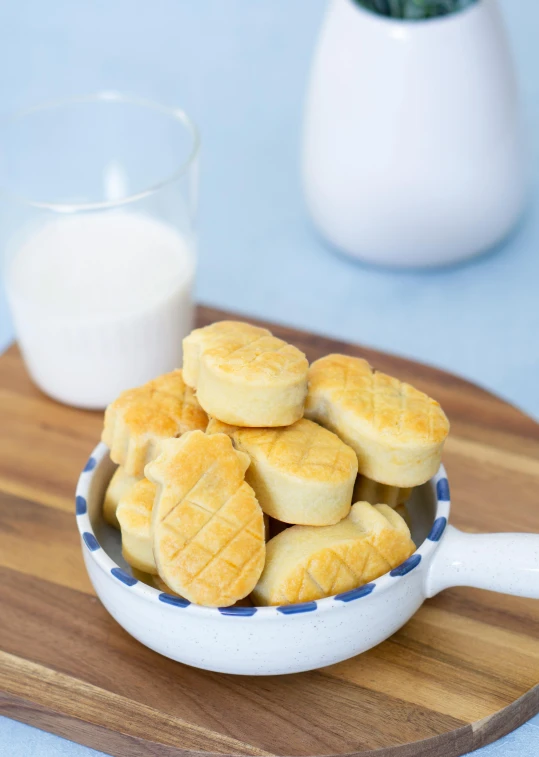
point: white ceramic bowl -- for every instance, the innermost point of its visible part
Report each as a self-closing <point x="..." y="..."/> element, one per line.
<point x="294" y="638"/>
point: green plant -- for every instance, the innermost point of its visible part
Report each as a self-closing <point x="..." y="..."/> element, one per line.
<point x="415" y="9"/>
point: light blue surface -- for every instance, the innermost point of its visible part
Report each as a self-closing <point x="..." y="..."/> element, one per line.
<point x="239" y="68"/>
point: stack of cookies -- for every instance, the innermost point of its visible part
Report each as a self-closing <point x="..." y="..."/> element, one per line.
<point x="250" y="476"/>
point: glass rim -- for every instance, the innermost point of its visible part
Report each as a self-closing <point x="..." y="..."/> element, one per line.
<point x="107" y="96"/>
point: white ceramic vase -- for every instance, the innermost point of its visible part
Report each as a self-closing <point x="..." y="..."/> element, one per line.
<point x="413" y="152"/>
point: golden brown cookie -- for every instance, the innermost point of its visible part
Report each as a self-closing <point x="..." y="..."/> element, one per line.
<point x="143" y="577"/>
<point x="396" y="431"/>
<point x="245" y="376"/>
<point x="135" y="515"/>
<point x="367" y="490"/>
<point x="403" y="511"/>
<point x="159" y="584"/>
<point x="119" y="484"/>
<point x="207" y="526"/>
<point x="141" y="418"/>
<point x="306" y="563"/>
<point x="301" y="473"/>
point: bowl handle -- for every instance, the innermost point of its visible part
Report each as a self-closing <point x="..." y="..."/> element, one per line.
<point x="507" y="563"/>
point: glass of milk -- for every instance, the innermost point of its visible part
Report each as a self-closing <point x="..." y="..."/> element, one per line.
<point x="97" y="229"/>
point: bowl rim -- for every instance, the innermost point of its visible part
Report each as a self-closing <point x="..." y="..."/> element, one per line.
<point x="100" y="557"/>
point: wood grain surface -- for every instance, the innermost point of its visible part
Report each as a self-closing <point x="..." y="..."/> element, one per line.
<point x="461" y="673"/>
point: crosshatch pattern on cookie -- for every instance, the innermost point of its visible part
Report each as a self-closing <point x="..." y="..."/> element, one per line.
<point x="208" y="525"/>
<point x="309" y="455"/>
<point x="383" y="401"/>
<point x="264" y="354"/>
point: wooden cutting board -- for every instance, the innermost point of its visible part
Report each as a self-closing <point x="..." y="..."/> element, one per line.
<point x="463" y="672"/>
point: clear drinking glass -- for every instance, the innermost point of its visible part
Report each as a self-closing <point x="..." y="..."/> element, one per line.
<point x="97" y="229"/>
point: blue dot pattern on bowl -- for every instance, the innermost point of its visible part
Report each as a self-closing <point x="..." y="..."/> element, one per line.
<point x="80" y="505"/>
<point x="245" y="612"/>
<point x="90" y="541"/>
<point x="438" y="527"/>
<point x="407" y="566"/>
<point x="294" y="609"/>
<point x="90" y="465"/>
<point x="124" y="577"/>
<point x="442" y="490"/>
<point x="169" y="599"/>
<point x="361" y="591"/>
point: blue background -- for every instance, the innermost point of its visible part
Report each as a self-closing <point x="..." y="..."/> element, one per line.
<point x="240" y="68"/>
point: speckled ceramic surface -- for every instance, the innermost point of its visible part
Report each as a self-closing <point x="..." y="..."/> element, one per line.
<point x="293" y="638"/>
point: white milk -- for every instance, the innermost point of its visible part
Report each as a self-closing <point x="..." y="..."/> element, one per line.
<point x="101" y="303"/>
